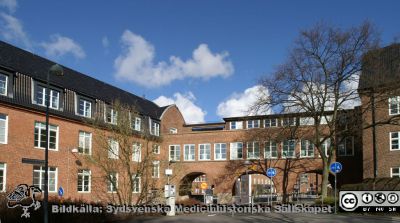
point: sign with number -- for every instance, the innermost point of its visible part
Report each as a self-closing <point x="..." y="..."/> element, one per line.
<point x="336" y="167"/>
<point x="271" y="172"/>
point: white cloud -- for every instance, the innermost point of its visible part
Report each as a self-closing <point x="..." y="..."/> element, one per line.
<point x="350" y="89"/>
<point x="105" y="42"/>
<point x="239" y="104"/>
<point x="12" y="29"/>
<point x="185" y="102"/>
<point x="11" y="5"/>
<point x="136" y="64"/>
<point x="61" y="45"/>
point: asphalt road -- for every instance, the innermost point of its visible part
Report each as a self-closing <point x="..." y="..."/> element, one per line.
<point x="270" y="217"/>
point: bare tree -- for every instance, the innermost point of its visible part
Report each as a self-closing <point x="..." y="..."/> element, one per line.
<point x="124" y="156"/>
<point x="317" y="79"/>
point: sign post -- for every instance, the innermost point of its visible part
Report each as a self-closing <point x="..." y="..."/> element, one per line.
<point x="336" y="167"/>
<point x="203" y="187"/>
<point x="271" y="172"/>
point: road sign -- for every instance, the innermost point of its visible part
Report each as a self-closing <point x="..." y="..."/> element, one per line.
<point x="204" y="185"/>
<point x="336" y="167"/>
<point x="271" y="172"/>
<point x="60" y="191"/>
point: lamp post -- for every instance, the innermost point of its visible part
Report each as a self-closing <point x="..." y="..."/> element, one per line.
<point x="58" y="71"/>
<point x="247" y="163"/>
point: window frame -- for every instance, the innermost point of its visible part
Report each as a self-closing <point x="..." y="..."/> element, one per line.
<point x="391" y="139"/>
<point x="5" y="128"/>
<point x="235" y="124"/>
<point x="253" y="147"/>
<point x="283" y="149"/>
<point x="51" y="89"/>
<point x="110" y="184"/>
<point x="308" y="143"/>
<point x="42" y="171"/>
<point x="112" y="155"/>
<point x="269" y="120"/>
<point x="398" y="105"/>
<point x="220" y="151"/>
<point x="137" y="152"/>
<point x="84" y="141"/>
<point x="204" y="150"/>
<point x="253" y="124"/>
<point x="268" y="144"/>
<point x="44" y="130"/>
<point x="85" y="172"/>
<point x="6" y="83"/>
<point x="176" y="148"/>
<point x="231" y="148"/>
<point x="78" y="98"/>
<point x="154" y="130"/>
<point x="391" y="172"/>
<point x="113" y="115"/>
<point x="136" y="177"/>
<point x="345" y="148"/>
<point x="192" y="148"/>
<point x="4" y="169"/>
<point x="156" y="151"/>
<point x="155" y="166"/>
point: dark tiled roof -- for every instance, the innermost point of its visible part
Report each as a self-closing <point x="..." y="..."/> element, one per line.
<point x="381" y="68"/>
<point x="27" y="63"/>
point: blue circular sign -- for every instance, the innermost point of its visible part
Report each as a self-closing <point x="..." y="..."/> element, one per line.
<point x="271" y="172"/>
<point x="336" y="167"/>
<point x="60" y="191"/>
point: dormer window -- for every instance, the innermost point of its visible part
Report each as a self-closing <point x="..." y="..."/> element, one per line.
<point x="253" y="124"/>
<point x="289" y="121"/>
<point x="111" y="115"/>
<point x="154" y="128"/>
<point x="84" y="107"/>
<point x="137" y="124"/>
<point x="40" y="96"/>
<point x="236" y="125"/>
<point x="3" y="84"/>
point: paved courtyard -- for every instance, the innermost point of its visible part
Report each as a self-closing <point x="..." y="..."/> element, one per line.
<point x="271" y="217"/>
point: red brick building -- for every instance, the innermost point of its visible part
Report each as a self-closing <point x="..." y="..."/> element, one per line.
<point x="212" y="152"/>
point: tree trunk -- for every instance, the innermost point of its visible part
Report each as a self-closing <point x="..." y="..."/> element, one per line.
<point x="325" y="179"/>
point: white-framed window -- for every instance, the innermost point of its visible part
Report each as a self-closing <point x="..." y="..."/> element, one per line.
<point x="112" y="185"/>
<point x="326" y="119"/>
<point x="85" y="143"/>
<point x="205" y="151"/>
<point x="307" y="148"/>
<point x="395" y="172"/>
<point x="270" y="150"/>
<point x="394" y="141"/>
<point x="288" y="148"/>
<point x="155" y="173"/>
<point x="325" y="146"/>
<point x="189" y="152"/>
<point x="202" y="178"/>
<point x="3" y="129"/>
<point x="136" y="183"/>
<point x="38" y="178"/>
<point x="156" y="149"/>
<point x="40" y="97"/>
<point x="137" y="152"/>
<point x="290" y="121"/>
<point x="3" y="176"/>
<point x="236" y="125"/>
<point x="111" y="115"/>
<point x="220" y="151"/>
<point x="113" y="149"/>
<point x="3" y="84"/>
<point x="270" y="122"/>
<point x="84" y="107"/>
<point x="154" y="128"/>
<point x="253" y="150"/>
<point x="346" y="146"/>
<point x="307" y="121"/>
<point x="84" y="180"/>
<point x="253" y="124"/>
<point x="174" y="152"/>
<point x="394" y="105"/>
<point x="137" y="125"/>
<point x="40" y="136"/>
<point x="173" y="130"/>
<point x="236" y="150"/>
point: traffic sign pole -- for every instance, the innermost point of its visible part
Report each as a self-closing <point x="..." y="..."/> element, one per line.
<point x="335" y="195"/>
<point x="336" y="167"/>
<point x="271" y="172"/>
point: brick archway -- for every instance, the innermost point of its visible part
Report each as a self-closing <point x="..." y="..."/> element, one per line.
<point x="185" y="184"/>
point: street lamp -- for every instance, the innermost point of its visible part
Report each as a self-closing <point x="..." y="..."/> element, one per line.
<point x="247" y="163"/>
<point x="56" y="70"/>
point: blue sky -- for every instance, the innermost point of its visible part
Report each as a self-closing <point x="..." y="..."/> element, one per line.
<point x="205" y="56"/>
